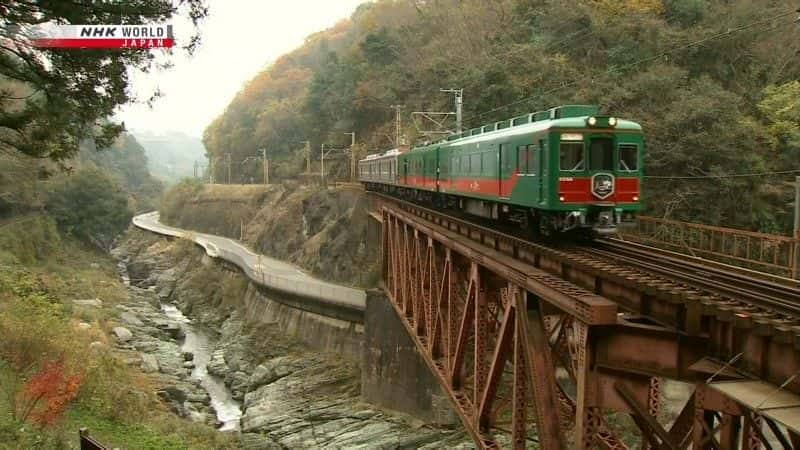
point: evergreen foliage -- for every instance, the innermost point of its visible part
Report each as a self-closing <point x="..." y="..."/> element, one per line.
<point x="90" y="206"/>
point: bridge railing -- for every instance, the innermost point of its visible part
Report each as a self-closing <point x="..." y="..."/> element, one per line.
<point x="765" y="252"/>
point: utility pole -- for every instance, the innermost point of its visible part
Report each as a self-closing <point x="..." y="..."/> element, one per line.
<point x="228" y="157"/>
<point x="195" y="168"/>
<point x="322" y="165"/>
<point x="211" y="169"/>
<point x="352" y="156"/>
<point x="266" y="165"/>
<point x="796" y="225"/>
<point x="308" y="155"/>
<point x="398" y="124"/>
<point x="459" y="99"/>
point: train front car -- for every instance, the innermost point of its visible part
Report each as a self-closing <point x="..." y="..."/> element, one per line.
<point x="598" y="160"/>
<point x="563" y="170"/>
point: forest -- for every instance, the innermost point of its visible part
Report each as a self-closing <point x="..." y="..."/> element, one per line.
<point x="713" y="83"/>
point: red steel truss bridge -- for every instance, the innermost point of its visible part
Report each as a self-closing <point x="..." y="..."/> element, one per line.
<point x="548" y="346"/>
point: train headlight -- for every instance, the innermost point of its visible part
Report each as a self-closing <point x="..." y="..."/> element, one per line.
<point x="561" y="198"/>
<point x="612" y="121"/>
<point x="592" y="121"/>
<point x="636" y="198"/>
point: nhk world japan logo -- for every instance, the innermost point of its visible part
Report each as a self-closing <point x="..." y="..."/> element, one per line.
<point x="103" y="36"/>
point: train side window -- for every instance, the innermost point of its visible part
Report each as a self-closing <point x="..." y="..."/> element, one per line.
<point x="505" y="157"/>
<point x="628" y="157"/>
<point x="486" y="162"/>
<point x="571" y="157"/>
<point x="531" y="156"/>
<point x="601" y="154"/>
<point x="522" y="163"/>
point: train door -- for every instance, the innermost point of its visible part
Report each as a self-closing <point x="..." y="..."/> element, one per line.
<point x="437" y="163"/>
<point x="540" y="160"/>
<point x="502" y="157"/>
<point x="405" y="171"/>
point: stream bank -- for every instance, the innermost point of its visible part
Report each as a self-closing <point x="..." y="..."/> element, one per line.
<point x="291" y="397"/>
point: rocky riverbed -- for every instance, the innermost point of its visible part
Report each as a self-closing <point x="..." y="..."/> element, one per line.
<point x="290" y="397"/>
<point x="158" y="339"/>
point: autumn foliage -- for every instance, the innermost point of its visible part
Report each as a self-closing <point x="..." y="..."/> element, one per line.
<point x="46" y="395"/>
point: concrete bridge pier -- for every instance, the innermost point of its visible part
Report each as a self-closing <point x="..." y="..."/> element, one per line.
<point x="393" y="374"/>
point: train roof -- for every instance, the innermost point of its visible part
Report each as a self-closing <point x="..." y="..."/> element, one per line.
<point x="388" y="153"/>
<point x="567" y="117"/>
<point x="561" y="117"/>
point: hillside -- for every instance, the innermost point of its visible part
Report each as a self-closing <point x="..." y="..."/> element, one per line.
<point x="90" y="197"/>
<point x="714" y="85"/>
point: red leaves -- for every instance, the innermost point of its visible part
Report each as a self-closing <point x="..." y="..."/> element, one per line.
<point x="46" y="395"/>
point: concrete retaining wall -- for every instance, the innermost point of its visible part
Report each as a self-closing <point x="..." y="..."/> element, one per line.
<point x="318" y="332"/>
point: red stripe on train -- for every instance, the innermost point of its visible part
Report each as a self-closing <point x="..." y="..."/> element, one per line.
<point x="579" y="190"/>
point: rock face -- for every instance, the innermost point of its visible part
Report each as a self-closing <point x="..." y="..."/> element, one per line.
<point x="272" y="371"/>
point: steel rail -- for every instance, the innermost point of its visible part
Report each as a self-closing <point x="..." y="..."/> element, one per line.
<point x="706" y="278"/>
<point x="775" y="284"/>
<point x="764" y="278"/>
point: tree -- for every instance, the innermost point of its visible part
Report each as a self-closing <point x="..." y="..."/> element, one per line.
<point x="51" y="100"/>
<point x="90" y="206"/>
<point x="46" y="395"/>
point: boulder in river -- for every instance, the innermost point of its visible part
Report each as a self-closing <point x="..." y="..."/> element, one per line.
<point x="217" y="365"/>
<point x="122" y="334"/>
<point x="175" y="331"/>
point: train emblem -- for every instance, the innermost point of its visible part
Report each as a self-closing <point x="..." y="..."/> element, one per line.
<point x="602" y="185"/>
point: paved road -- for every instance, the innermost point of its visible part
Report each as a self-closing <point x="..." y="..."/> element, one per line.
<point x="263" y="270"/>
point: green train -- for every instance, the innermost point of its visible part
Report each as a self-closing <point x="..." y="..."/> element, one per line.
<point x="556" y="171"/>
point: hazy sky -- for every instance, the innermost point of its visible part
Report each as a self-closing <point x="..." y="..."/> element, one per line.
<point x="240" y="37"/>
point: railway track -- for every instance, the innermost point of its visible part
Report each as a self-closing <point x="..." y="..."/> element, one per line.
<point x="662" y="274"/>
<point x="727" y="281"/>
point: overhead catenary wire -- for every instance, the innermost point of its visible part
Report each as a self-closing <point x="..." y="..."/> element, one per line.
<point x="612" y="70"/>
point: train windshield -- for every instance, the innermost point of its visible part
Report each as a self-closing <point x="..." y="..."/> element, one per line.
<point x="601" y="154"/>
<point x="628" y="157"/>
<point x="571" y="156"/>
